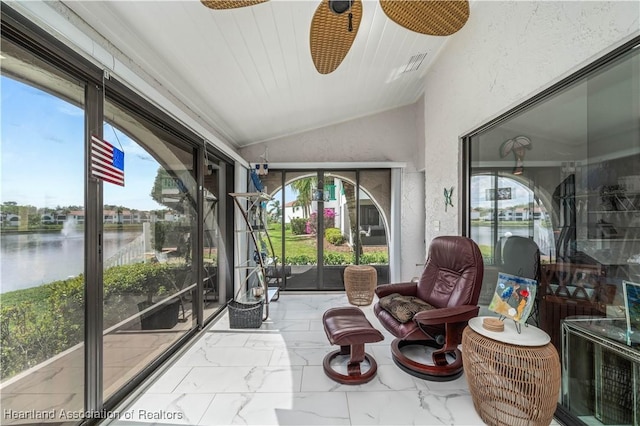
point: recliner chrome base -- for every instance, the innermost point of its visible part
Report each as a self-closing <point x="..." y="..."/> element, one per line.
<point x="441" y="371"/>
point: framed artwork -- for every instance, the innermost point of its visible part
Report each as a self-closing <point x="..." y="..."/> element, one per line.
<point x="514" y="297"/>
<point x="632" y="308"/>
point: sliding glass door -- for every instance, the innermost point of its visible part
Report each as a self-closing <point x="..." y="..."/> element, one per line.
<point x="42" y="239"/>
<point x="326" y="221"/>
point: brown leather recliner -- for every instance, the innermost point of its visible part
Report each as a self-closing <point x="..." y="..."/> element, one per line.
<point x="450" y="285"/>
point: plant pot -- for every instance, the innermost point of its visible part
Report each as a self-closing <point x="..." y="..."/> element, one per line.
<point x="161" y="317"/>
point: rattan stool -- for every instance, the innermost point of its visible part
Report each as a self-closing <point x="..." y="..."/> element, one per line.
<point x="360" y="284"/>
<point x="514" y="379"/>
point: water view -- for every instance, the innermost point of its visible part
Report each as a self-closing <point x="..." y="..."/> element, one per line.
<point x="32" y="259"/>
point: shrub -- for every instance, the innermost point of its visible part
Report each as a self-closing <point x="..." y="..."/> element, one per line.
<point x="300" y="259"/>
<point x="378" y="257"/>
<point x="298" y="225"/>
<point x="51" y="319"/>
<point x="159" y="235"/>
<point x="336" y="258"/>
<point x="34" y="332"/>
<point x="334" y="236"/>
<point x="329" y="219"/>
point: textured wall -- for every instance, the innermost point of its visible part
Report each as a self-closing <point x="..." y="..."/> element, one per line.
<point x="507" y="52"/>
<point x="388" y="136"/>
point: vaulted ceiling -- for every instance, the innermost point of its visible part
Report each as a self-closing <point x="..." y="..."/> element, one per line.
<point x="248" y="72"/>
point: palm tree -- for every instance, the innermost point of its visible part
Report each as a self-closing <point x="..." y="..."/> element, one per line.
<point x="275" y="210"/>
<point x="304" y="189"/>
<point x="350" y="197"/>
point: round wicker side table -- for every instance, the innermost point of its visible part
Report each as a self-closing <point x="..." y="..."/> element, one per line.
<point x="360" y="283"/>
<point x="514" y="379"/>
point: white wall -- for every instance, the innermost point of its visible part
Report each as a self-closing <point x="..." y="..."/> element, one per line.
<point x="388" y="136"/>
<point x="393" y="135"/>
<point x="506" y="52"/>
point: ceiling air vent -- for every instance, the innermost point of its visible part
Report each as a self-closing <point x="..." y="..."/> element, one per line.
<point x="414" y="62"/>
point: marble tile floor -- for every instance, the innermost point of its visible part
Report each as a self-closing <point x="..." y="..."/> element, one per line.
<point x="274" y="376"/>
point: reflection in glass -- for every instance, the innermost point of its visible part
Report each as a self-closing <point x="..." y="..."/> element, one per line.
<point x="150" y="281"/>
<point x="212" y="239"/>
<point x="577" y="197"/>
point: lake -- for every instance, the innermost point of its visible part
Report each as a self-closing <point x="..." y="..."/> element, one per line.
<point x="483" y="235"/>
<point x="32" y="259"/>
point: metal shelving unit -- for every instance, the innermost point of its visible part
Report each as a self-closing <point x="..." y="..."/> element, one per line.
<point x="260" y="255"/>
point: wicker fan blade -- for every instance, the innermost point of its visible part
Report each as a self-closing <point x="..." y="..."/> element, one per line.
<point x="432" y="17"/>
<point x="330" y="38"/>
<point x="230" y="4"/>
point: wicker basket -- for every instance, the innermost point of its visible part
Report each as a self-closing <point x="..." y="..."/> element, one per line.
<point x="360" y="284"/>
<point x="245" y="315"/>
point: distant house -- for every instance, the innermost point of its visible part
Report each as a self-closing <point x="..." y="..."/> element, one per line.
<point x="61" y="218"/>
<point x="125" y="216"/>
<point x="130" y="217"/>
<point x="174" y="217"/>
<point x="48" y="219"/>
<point x="77" y="216"/>
<point x="109" y="216"/>
<point x="292" y="212"/>
<point x="12" y="219"/>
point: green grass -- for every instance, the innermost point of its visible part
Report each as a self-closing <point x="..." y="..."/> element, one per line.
<point x="486" y="251"/>
<point x="295" y="244"/>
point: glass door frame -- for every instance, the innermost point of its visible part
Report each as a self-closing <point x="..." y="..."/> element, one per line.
<point x="320" y="176"/>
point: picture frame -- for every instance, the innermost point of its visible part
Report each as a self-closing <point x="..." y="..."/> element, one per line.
<point x="631" y="292"/>
<point x="514" y="297"/>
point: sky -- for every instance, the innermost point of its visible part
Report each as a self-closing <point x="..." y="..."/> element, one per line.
<point x="42" y="151"/>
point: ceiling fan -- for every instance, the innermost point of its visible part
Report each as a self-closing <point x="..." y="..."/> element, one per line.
<point x="336" y="22"/>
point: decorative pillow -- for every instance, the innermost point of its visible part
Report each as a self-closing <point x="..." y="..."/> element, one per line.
<point x="403" y="308"/>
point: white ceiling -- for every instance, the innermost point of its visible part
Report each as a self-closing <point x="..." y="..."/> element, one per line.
<point x="248" y="72"/>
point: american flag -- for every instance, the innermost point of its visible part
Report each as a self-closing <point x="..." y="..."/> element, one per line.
<point x="107" y="161"/>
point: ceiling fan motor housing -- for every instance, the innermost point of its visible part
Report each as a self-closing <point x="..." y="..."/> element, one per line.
<point x="340" y="6"/>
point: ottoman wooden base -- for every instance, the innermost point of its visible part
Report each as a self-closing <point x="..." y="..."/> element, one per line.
<point x="349" y="328"/>
<point x="354" y="374"/>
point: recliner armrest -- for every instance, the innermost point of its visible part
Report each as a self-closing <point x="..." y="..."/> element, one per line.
<point x="447" y="315"/>
<point x="406" y="289"/>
